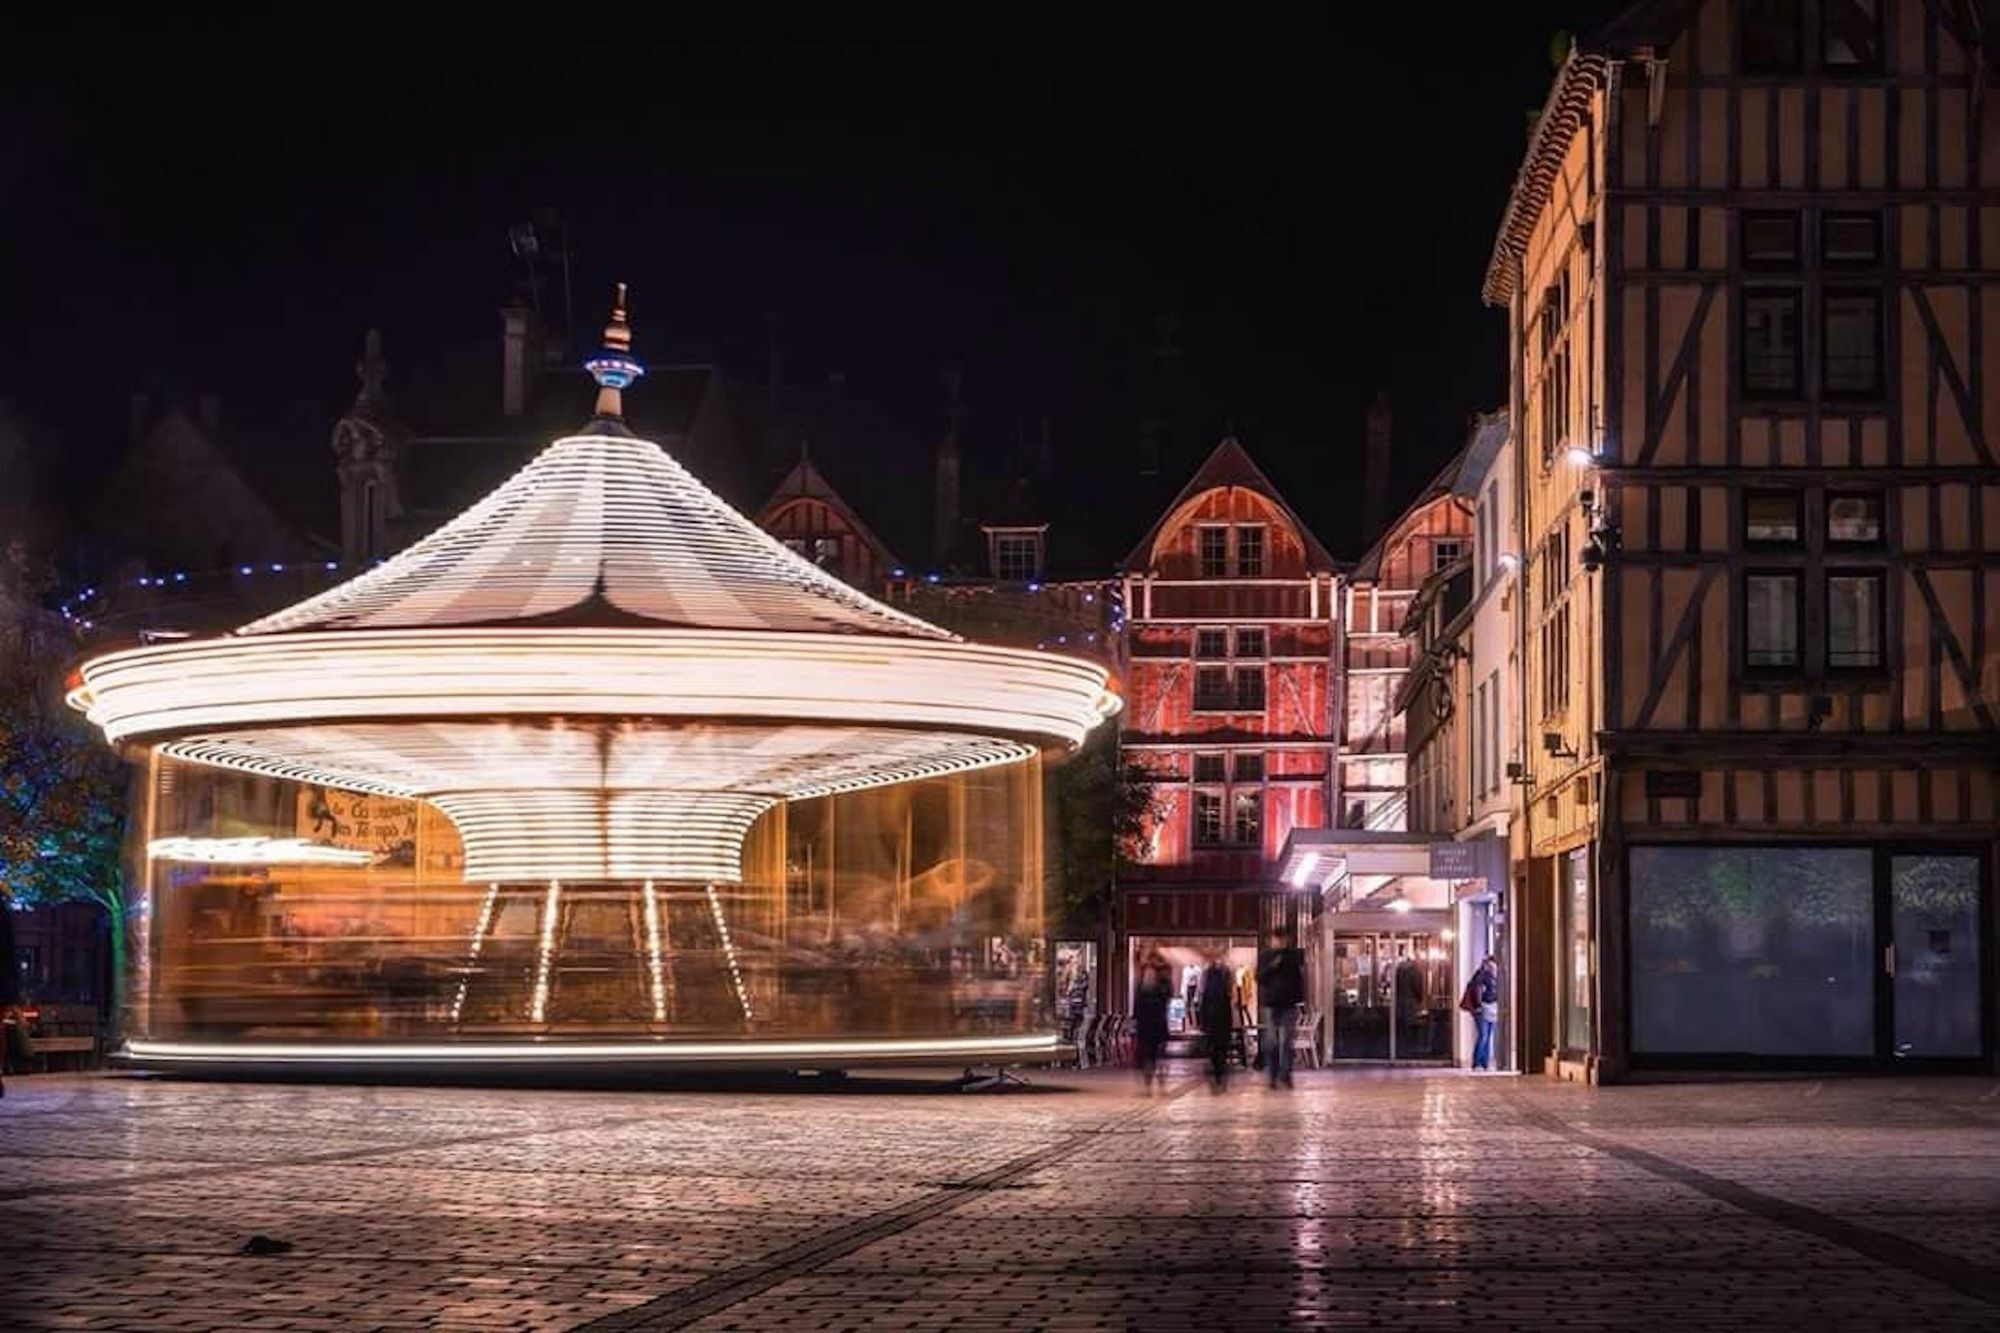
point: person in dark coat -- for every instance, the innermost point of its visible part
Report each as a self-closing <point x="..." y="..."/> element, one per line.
<point x="1154" y="994"/>
<point x="1218" y="1009"/>
<point x="10" y="984"/>
<point x="1281" y="989"/>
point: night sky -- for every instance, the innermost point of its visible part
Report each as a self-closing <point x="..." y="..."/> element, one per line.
<point x="228" y="209"/>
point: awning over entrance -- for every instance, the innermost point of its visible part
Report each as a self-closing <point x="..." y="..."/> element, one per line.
<point x="1384" y="869"/>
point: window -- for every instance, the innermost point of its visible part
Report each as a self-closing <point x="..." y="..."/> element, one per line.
<point x="1249" y="552"/>
<point x="1853" y="621"/>
<point x="1490" y="546"/>
<point x="1578" y="964"/>
<point x="1446" y="552"/>
<point x="1770" y="36"/>
<point x="1554" y="402"/>
<point x="1493" y="730"/>
<point x="1771" y="240"/>
<point x="1249" y="643"/>
<point x="1853" y="520"/>
<point x="1212" y="693"/>
<point x="1214" y="552"/>
<point x="1208" y="768"/>
<point x="1207" y="819"/>
<point x="1479" y="739"/>
<point x="1771" y="343"/>
<point x="1851" y="240"/>
<point x="1851" y="344"/>
<point x="826" y="551"/>
<point x="799" y="546"/>
<point x="1850" y="41"/>
<point x="1247" y="818"/>
<point x="1771" y="518"/>
<point x="1211" y="643"/>
<point x="1017" y="556"/>
<point x="1249" y="766"/>
<point x="1250" y="689"/>
<point x="1771" y="620"/>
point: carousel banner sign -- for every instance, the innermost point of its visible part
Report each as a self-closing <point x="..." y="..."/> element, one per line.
<point x="390" y="827"/>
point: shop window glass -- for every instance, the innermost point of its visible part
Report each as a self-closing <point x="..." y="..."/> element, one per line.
<point x="1753" y="950"/>
<point x="1578" y="970"/>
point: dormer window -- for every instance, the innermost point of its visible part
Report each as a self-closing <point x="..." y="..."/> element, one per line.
<point x="1015" y="553"/>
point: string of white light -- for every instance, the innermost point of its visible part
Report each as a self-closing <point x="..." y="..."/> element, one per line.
<point x="729" y="954"/>
<point x="146" y="693"/>
<point x="956" y="1050"/>
<point x="652" y="903"/>
<point x="256" y="851"/>
<point x="545" y="953"/>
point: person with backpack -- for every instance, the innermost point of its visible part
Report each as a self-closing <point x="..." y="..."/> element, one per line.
<point x="1482" y="1001"/>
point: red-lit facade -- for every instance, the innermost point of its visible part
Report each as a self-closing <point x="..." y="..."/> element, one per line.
<point x="1233" y="702"/>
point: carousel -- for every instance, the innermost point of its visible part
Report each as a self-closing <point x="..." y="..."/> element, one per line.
<point x="596" y="772"/>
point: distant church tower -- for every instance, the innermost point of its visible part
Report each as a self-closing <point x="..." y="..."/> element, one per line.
<point x="367" y="442"/>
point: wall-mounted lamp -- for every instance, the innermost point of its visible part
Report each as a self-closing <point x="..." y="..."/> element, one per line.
<point x="1517" y="773"/>
<point x="1600" y="542"/>
<point x="1509" y="561"/>
<point x="1581" y="456"/>
<point x="1553" y="743"/>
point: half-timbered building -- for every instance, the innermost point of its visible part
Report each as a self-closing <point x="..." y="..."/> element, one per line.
<point x="1232" y="704"/>
<point x="1749" y="266"/>
<point x="809" y="516"/>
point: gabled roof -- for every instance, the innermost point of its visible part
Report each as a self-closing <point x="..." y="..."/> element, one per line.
<point x="806" y="482"/>
<point x="1230" y="465"/>
<point x="1489" y="432"/>
<point x="1369" y="566"/>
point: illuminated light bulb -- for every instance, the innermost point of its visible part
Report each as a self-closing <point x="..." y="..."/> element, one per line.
<point x="545" y="953"/>
<point x="653" y="952"/>
<point x="256" y="852"/>
<point x="472" y="954"/>
<point x="729" y="953"/>
<point x="1447" y="934"/>
<point x="1509" y="561"/>
<point x="1580" y="456"/>
<point x="1399" y="905"/>
<point x="391" y="1054"/>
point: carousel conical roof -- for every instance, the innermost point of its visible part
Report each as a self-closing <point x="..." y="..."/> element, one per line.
<point x="600" y="530"/>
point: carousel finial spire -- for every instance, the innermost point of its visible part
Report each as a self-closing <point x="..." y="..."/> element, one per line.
<point x="614" y="367"/>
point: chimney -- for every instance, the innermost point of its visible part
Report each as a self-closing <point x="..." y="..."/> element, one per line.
<point x="945" y="506"/>
<point x="210" y="408"/>
<point x="1376" y="434"/>
<point x="516" y="357"/>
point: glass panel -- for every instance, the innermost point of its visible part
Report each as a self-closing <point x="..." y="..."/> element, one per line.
<point x="1214" y="552"/>
<point x="1771" y="620"/>
<point x="1250" y="767"/>
<point x="1209" y="643"/>
<point x="1853" y="343"/>
<point x="1753" y="950"/>
<point x="1249" y="552"/>
<point x="1207" y="819"/>
<point x="1249" y="643"/>
<point x="1853" y="239"/>
<point x="1771" y="516"/>
<point x="1851" y="36"/>
<point x="1250" y="689"/>
<point x="1211" y="688"/>
<point x="1934" y="904"/>
<point x="1249" y="812"/>
<point x="1771" y="343"/>
<point x="1854" y="519"/>
<point x="1576" y="962"/>
<point x="1854" y="620"/>
<point x="1208" y="768"/>
<point x="1771" y="240"/>
<point x="1770" y="36"/>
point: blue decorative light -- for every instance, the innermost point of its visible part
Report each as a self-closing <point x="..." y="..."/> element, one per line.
<point x="245" y="570"/>
<point x="277" y="569"/>
<point x="333" y="564"/>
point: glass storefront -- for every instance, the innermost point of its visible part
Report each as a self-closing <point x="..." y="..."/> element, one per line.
<point x="1577" y="961"/>
<point x="1393" y="995"/>
<point x="1934" y="914"/>
<point x="905" y="911"/>
<point x="1760" y="950"/>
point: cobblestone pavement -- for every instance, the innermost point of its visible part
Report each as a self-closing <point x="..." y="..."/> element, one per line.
<point x="1407" y="1200"/>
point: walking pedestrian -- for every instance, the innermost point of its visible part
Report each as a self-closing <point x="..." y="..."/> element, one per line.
<point x="1281" y="989"/>
<point x="1218" y="1007"/>
<point x="1482" y="1001"/>
<point x="1149" y="1015"/>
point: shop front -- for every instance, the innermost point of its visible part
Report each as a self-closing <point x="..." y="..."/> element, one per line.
<point x="1404" y="920"/>
<point x="1810" y="955"/>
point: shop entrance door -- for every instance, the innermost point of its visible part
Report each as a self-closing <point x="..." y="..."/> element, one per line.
<point x="1933" y="958"/>
<point x="1392" y="996"/>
